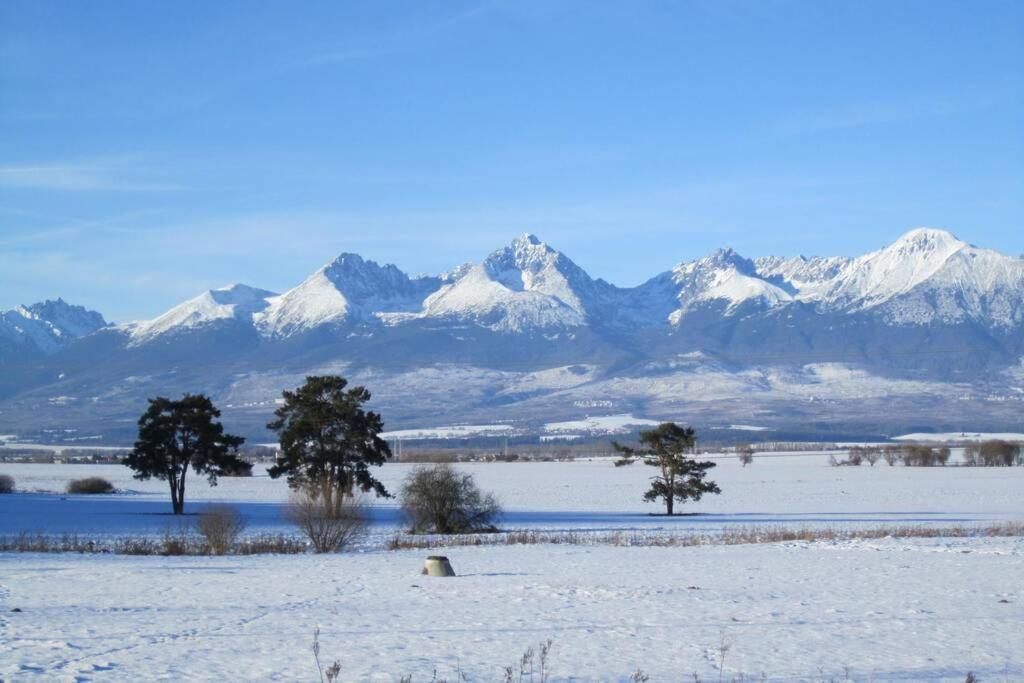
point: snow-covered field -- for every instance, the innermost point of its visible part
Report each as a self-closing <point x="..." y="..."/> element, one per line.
<point x="888" y="610"/>
<point x="918" y="609"/>
<point x="592" y="495"/>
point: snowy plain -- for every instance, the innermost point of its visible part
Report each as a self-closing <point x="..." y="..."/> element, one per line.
<point x="887" y="609"/>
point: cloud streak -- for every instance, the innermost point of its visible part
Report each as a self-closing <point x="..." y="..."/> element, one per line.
<point x="78" y="176"/>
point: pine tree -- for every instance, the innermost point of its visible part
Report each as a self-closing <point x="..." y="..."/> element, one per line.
<point x="680" y="478"/>
<point x="328" y="441"/>
<point x="176" y="435"/>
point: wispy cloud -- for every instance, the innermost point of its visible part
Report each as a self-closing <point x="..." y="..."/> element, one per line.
<point x="82" y="176"/>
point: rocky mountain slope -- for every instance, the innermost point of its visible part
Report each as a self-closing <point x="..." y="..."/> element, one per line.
<point x="929" y="326"/>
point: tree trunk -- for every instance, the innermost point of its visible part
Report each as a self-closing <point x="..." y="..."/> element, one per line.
<point x="181" y="491"/>
<point x="175" y="503"/>
<point x="177" y="494"/>
<point x="670" y="494"/>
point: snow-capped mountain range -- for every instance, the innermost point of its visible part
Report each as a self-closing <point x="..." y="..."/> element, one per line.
<point x="44" y="328"/>
<point x="928" y="306"/>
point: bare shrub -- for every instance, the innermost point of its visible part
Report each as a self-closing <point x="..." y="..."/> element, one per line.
<point x="745" y="453"/>
<point x="891" y="455"/>
<point x="220" y="526"/>
<point x="330" y="526"/>
<point x="871" y="455"/>
<point x="6" y="483"/>
<point x="916" y="455"/>
<point x="440" y="500"/>
<point x="854" y="458"/>
<point x="90" y="485"/>
<point x="994" y="453"/>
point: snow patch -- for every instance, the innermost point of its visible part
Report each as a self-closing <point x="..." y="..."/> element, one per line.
<point x="605" y="424"/>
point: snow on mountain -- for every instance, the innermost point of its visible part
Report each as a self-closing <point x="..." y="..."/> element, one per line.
<point x="235" y="302"/>
<point x="346" y="289"/>
<point x="723" y="276"/>
<point x="528" y="264"/>
<point x="527" y="284"/>
<point x="877" y="277"/>
<point x="48" y="325"/>
<point x="974" y="284"/>
<point x="478" y="297"/>
<point x="924" y="276"/>
<point x="807" y="276"/>
<point x="834" y="332"/>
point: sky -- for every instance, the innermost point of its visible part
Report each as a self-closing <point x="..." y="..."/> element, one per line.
<point x="150" y="151"/>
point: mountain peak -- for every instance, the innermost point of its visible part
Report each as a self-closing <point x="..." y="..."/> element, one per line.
<point x="928" y="239"/>
<point x="347" y="258"/>
<point x="527" y="238"/>
<point x="725" y="258"/>
<point x="66" y="319"/>
<point x="48" y="325"/>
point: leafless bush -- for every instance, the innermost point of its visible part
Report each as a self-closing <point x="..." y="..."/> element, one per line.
<point x="220" y="526"/>
<point x="891" y="455"/>
<point x="916" y="455"/>
<point x="440" y="500"/>
<point x="745" y="453"/>
<point x="6" y="483"/>
<point x="853" y="459"/>
<point x="329" y="528"/>
<point x="862" y="454"/>
<point x="994" y="453"/>
<point x="90" y="485"/>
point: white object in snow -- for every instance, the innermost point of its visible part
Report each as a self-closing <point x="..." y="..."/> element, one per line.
<point x="438" y="565"/>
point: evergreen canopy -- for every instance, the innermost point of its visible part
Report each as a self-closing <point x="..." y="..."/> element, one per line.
<point x="176" y="435"/>
<point x="328" y="441"/>
<point x="680" y="478"/>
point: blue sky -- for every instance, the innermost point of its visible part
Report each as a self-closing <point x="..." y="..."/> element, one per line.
<point x="153" y="150"/>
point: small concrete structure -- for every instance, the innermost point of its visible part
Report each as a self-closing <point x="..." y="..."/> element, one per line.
<point x="438" y="565"/>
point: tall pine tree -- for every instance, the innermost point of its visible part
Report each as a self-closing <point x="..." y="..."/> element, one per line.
<point x="680" y="478"/>
<point x="176" y="435"/>
<point x="328" y="441"/>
